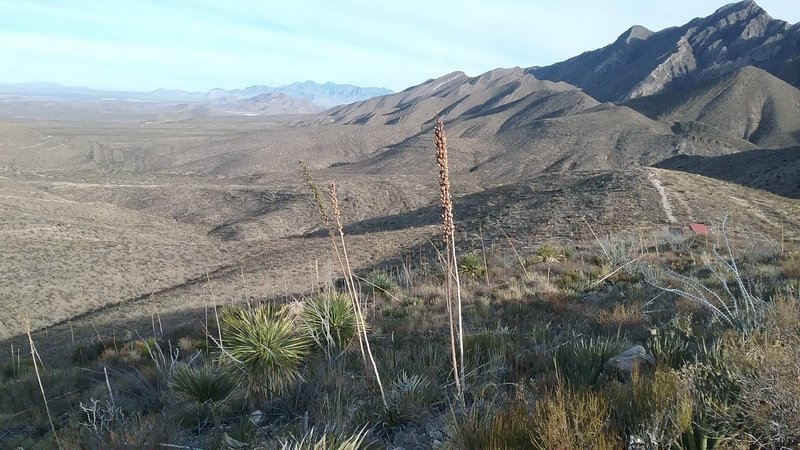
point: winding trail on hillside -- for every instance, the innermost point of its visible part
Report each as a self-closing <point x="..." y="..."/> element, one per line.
<point x="662" y="192"/>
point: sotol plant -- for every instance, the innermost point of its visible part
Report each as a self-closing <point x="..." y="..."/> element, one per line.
<point x="264" y="348"/>
<point x="330" y="321"/>
<point x="453" y="281"/>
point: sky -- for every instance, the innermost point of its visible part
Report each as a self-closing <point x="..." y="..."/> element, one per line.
<point x="202" y="44"/>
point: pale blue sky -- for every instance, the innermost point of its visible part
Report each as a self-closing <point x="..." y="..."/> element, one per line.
<point x="202" y="44"/>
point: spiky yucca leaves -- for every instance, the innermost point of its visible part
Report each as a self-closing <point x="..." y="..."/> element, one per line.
<point x="548" y="254"/>
<point x="207" y="389"/>
<point x="326" y="440"/>
<point x="330" y="321"/>
<point x="203" y="384"/>
<point x="265" y="348"/>
<point x="378" y="282"/>
<point x="582" y="361"/>
<point x="472" y="265"/>
<point x="409" y="397"/>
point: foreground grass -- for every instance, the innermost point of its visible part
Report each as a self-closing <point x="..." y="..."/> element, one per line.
<point x="539" y="328"/>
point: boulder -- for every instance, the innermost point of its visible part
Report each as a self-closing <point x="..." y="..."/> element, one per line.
<point x="634" y="358"/>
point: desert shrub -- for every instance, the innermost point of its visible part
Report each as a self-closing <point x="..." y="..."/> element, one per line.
<point x="621" y="315"/>
<point x="582" y="360"/>
<point x="264" y="349"/>
<point x="150" y="432"/>
<point x="326" y="440"/>
<point x="729" y="298"/>
<point x="88" y="352"/>
<point x="548" y="254"/>
<point x="672" y="344"/>
<point x="378" y="282"/>
<point x="471" y="265"/>
<point x="331" y="393"/>
<point x="752" y="389"/>
<point x="655" y="408"/>
<point x="203" y="384"/>
<point x="561" y="419"/>
<point x="503" y="427"/>
<point x="408" y="399"/>
<point x="669" y="348"/>
<point x="14" y="370"/>
<point x="330" y="321"/>
<point x="21" y="398"/>
<point x="573" y="419"/>
<point x="489" y="354"/>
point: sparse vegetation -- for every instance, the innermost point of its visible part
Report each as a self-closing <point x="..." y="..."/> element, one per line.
<point x="523" y="362"/>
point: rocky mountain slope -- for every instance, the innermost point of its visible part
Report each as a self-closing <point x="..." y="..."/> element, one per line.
<point x="641" y="62"/>
<point x="748" y="104"/>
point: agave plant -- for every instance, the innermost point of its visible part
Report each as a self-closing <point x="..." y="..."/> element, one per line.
<point x="378" y="282"/>
<point x="548" y="254"/>
<point x="330" y="320"/>
<point x="326" y="440"/>
<point x="207" y="390"/>
<point x="471" y="264"/>
<point x="265" y="348"/>
<point x="203" y="384"/>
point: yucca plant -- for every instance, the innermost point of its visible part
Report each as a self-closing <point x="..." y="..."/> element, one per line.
<point x="582" y="361"/>
<point x="548" y="254"/>
<point x="265" y="348"/>
<point x="207" y="390"/>
<point x="472" y="265"/>
<point x="408" y="399"/>
<point x="326" y="440"/>
<point x="330" y="321"/>
<point x="203" y="384"/>
<point x="378" y="282"/>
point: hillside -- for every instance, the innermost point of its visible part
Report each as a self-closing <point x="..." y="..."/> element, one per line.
<point x="64" y="258"/>
<point x="641" y="62"/>
<point x="450" y="96"/>
<point x="775" y="171"/>
<point x="748" y="104"/>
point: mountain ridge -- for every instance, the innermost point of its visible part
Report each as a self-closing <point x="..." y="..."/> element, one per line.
<point x="639" y="63"/>
<point x="322" y="95"/>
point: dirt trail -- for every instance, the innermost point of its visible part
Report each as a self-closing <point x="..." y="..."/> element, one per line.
<point x="665" y="203"/>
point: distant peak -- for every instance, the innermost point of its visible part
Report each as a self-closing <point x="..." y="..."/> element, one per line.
<point x="740" y="9"/>
<point x="634" y="33"/>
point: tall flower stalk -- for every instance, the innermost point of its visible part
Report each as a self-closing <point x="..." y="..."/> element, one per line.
<point x="337" y="238"/>
<point x="448" y="236"/>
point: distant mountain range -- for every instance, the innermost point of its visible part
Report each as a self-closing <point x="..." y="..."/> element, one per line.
<point x="641" y="62"/>
<point x="709" y="96"/>
<point x="713" y="88"/>
<point x="296" y="98"/>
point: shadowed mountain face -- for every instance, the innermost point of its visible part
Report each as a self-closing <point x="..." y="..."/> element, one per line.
<point x="641" y="63"/>
<point x="748" y="104"/>
<point x="775" y="171"/>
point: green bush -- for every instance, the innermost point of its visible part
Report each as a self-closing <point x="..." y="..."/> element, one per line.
<point x="330" y="321"/>
<point x="573" y="420"/>
<point x="263" y="348"/>
<point x="471" y="265"/>
<point x="204" y="384"/>
<point x="548" y="254"/>
<point x="582" y="360"/>
<point x="378" y="282"/>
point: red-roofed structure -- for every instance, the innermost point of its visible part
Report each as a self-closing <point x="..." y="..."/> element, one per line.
<point x="699" y="228"/>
